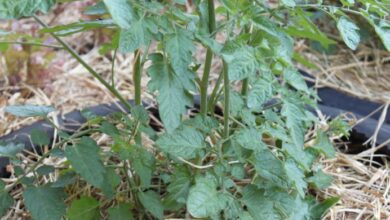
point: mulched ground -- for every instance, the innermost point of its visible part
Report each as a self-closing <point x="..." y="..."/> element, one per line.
<point x="52" y="77"/>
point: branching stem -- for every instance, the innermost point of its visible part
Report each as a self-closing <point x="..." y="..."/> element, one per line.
<point x="75" y="55"/>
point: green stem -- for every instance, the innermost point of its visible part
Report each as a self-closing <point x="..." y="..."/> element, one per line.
<point x="211" y="11"/>
<point x="32" y="44"/>
<point x="214" y="94"/>
<point x="208" y="61"/>
<point x="205" y="82"/>
<point x="113" y="67"/>
<point x="245" y="82"/>
<point x="244" y="88"/>
<point x="137" y="74"/>
<point x="226" y="110"/>
<point x="85" y="65"/>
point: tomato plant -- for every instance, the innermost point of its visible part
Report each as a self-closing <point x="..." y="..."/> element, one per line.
<point x="257" y="160"/>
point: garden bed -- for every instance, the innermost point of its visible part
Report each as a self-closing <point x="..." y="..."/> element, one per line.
<point x="361" y="177"/>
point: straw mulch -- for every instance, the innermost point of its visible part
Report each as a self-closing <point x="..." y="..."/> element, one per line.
<point x="363" y="185"/>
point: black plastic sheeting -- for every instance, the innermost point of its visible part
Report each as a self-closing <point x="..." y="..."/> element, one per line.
<point x="69" y="122"/>
<point x="333" y="103"/>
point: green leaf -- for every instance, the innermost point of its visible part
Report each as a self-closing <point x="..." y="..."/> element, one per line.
<point x="65" y="179"/>
<point x="172" y="91"/>
<point x="306" y="62"/>
<point x="247" y="117"/>
<point x="85" y="159"/>
<point x="29" y="110"/>
<point x="85" y="208"/>
<point x="318" y="210"/>
<point x="294" y="117"/>
<point x="210" y="43"/>
<point x="249" y="138"/>
<point x="182" y="2"/>
<point x="263" y="205"/>
<point x="121" y="11"/>
<point x="347" y="3"/>
<point x="44" y="202"/>
<point x="6" y="201"/>
<point x="143" y="163"/>
<point x="295" y="79"/>
<point x="320" y="180"/>
<point x="204" y="200"/>
<point x="281" y="44"/>
<point x="140" y="114"/>
<point x="323" y="145"/>
<point x="98" y="9"/>
<point x="269" y="167"/>
<point x="236" y="103"/>
<point x="303" y="27"/>
<point x="241" y="60"/>
<point x="180" y="47"/>
<point x="179" y="186"/>
<point x="133" y="38"/>
<point x="120" y="212"/>
<point x="339" y="127"/>
<point x="238" y="172"/>
<point x="204" y="124"/>
<point x="45" y="169"/>
<point x="296" y="176"/>
<point x="10" y="149"/>
<point x="183" y="142"/>
<point x="278" y="205"/>
<point x="289" y="3"/>
<point x="233" y="209"/>
<point x="275" y="128"/>
<point x="300" y="155"/>
<point x="39" y="137"/>
<point x="349" y="32"/>
<point x="109" y="129"/>
<point x="382" y="28"/>
<point x="21" y="8"/>
<point x="260" y="92"/>
<point x="151" y="202"/>
<point x="111" y="181"/>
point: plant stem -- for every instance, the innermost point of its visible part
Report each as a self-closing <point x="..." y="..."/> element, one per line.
<point x="214" y="94"/>
<point x="113" y="67"/>
<point x="211" y="11"/>
<point x="245" y="82"/>
<point x="226" y="110"/>
<point x="32" y="44"/>
<point x="208" y="61"/>
<point x="86" y="66"/>
<point x="137" y="74"/>
<point x="205" y="82"/>
<point x="244" y="88"/>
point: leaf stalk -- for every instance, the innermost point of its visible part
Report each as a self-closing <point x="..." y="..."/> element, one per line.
<point x="75" y="55"/>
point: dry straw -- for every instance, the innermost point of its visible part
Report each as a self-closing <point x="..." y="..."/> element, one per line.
<point x="362" y="183"/>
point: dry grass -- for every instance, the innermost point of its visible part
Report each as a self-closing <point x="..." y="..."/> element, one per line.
<point x="362" y="184"/>
<point x="363" y="188"/>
